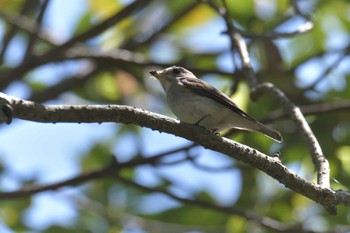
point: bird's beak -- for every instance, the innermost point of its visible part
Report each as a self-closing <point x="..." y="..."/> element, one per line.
<point x="156" y="74"/>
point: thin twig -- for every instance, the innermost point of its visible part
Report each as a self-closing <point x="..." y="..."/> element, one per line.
<point x="308" y="110"/>
<point x="32" y="37"/>
<point x="105" y="171"/>
<point x="306" y="27"/>
<point x="104" y="25"/>
<point x="264" y="221"/>
<point x="132" y="44"/>
<point x="32" y="189"/>
<point x="17" y="73"/>
<point x="327" y="71"/>
<point x="29" y="26"/>
<point x="67" y="83"/>
<point x="294" y="112"/>
<point x="10" y="32"/>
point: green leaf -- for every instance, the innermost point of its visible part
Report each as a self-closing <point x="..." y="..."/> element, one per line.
<point x="242" y="11"/>
<point x="107" y="87"/>
<point x="99" y="156"/>
<point x="343" y="154"/>
<point x="85" y="22"/>
<point x="198" y="16"/>
<point x="104" y="8"/>
<point x="236" y="224"/>
<point x="192" y="215"/>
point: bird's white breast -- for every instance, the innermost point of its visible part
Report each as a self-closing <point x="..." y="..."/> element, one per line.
<point x="191" y="108"/>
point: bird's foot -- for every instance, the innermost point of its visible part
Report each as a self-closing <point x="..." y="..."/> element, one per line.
<point x="216" y="132"/>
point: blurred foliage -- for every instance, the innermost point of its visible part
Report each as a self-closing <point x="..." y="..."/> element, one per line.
<point x="190" y="33"/>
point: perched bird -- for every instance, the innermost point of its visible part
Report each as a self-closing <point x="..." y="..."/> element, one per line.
<point x="197" y="102"/>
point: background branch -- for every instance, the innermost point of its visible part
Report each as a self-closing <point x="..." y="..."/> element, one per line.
<point x="113" y="169"/>
<point x="308" y="110"/>
<point x="32" y="37"/>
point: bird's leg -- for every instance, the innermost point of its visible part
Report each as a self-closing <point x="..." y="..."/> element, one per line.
<point x="200" y="120"/>
<point x="216" y="132"/>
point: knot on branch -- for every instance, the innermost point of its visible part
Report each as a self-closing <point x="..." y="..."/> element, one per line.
<point x="5" y="111"/>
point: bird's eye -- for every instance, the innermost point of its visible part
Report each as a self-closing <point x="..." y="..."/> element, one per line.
<point x="176" y="71"/>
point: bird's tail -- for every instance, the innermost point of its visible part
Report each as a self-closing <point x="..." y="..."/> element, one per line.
<point x="271" y="133"/>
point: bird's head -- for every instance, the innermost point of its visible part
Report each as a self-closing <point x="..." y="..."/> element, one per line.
<point x="171" y="74"/>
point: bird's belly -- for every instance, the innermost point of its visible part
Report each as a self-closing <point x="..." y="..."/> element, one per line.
<point x="191" y="108"/>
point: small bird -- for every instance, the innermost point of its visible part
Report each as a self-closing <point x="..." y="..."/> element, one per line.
<point x="197" y="102"/>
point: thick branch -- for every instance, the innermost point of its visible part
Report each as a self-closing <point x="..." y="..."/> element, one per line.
<point x="130" y="115"/>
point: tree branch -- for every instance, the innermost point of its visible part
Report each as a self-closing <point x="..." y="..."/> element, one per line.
<point x="264" y="221"/>
<point x="132" y="44"/>
<point x="50" y="56"/>
<point x="308" y="110"/>
<point x="29" y="26"/>
<point x="101" y="27"/>
<point x="107" y="170"/>
<point x="321" y="163"/>
<point x="67" y="83"/>
<point x="113" y="168"/>
<point x="328" y="70"/>
<point x="32" y="189"/>
<point x="130" y="115"/>
<point x="32" y="37"/>
<point x="13" y="22"/>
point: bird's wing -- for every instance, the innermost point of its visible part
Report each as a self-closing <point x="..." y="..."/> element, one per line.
<point x="204" y="89"/>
